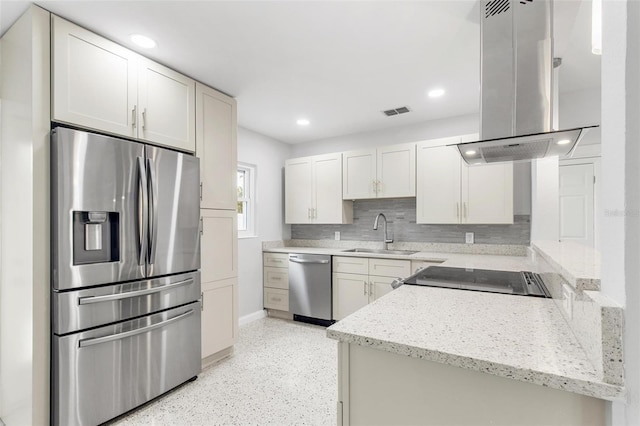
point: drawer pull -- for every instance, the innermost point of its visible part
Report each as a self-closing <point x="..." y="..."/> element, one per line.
<point x="276" y="299"/>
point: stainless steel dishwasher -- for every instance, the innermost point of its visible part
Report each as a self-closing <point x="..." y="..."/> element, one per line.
<point x="310" y="288"/>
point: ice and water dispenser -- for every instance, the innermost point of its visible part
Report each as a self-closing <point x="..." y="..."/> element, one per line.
<point x="95" y="237"/>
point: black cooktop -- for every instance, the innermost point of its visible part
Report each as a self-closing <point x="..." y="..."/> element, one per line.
<point x="507" y="282"/>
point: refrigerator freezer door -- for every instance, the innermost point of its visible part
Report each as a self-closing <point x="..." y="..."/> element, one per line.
<point x="91" y="307"/>
<point x="97" y="207"/>
<point x="174" y="212"/>
<point x="104" y="372"/>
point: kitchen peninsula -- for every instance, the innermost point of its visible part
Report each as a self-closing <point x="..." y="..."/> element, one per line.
<point x="462" y="357"/>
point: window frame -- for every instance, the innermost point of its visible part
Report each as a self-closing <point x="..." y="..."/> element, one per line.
<point x="249" y="198"/>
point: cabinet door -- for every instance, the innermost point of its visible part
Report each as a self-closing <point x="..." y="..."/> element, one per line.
<point x="390" y="268"/>
<point x="94" y="80"/>
<point x="327" y="185"/>
<point x="488" y="193"/>
<point x="219" y="317"/>
<point x="350" y="293"/>
<point x="396" y="168"/>
<point x="378" y="287"/>
<point x="359" y="175"/>
<point x="219" y="245"/>
<point x="216" y="127"/>
<point x="297" y="198"/>
<point x="166" y="111"/>
<point x="438" y="185"/>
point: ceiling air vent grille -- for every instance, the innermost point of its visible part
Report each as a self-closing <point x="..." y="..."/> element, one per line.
<point x="396" y="111"/>
<point x="496" y="7"/>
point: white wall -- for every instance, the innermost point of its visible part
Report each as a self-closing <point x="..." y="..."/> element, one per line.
<point x="268" y="155"/>
<point x="545" y="211"/>
<point x="461" y="125"/>
<point x="621" y="185"/>
<point x="24" y="222"/>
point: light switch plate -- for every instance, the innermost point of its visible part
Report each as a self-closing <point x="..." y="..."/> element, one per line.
<point x="337" y="235"/>
<point x="468" y="237"/>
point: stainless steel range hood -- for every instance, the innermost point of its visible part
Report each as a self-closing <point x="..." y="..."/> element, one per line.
<point x="516" y="86"/>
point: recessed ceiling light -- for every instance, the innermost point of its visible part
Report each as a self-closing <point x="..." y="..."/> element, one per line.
<point x="302" y="122"/>
<point x="563" y="141"/>
<point x="470" y="152"/>
<point x="143" y="41"/>
<point x="435" y="93"/>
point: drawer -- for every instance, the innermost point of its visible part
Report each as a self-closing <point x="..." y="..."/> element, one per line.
<point x="351" y="265"/>
<point x="390" y="268"/>
<point x="276" y="277"/>
<point x="421" y="264"/>
<point x="275" y="298"/>
<point x="276" y="260"/>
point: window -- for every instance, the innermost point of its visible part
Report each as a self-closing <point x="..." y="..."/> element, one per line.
<point x="246" y="200"/>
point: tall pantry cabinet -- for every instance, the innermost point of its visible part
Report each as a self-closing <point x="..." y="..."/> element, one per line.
<point x="216" y="127"/>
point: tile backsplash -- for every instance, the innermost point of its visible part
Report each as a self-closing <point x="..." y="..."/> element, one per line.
<point x="402" y="226"/>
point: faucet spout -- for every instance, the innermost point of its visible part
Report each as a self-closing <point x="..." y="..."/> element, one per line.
<point x="385" y="239"/>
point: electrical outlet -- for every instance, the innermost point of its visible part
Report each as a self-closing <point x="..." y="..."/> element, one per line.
<point x="337" y="235"/>
<point x="567" y="300"/>
<point x="468" y="237"/>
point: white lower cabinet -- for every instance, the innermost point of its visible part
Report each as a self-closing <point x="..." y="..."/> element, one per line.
<point x="276" y="281"/>
<point x="358" y="281"/>
<point x="219" y="316"/>
<point x="219" y="273"/>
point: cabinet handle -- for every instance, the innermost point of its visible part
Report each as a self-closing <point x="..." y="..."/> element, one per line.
<point x="371" y="287"/>
<point x="364" y="287"/>
<point x="201" y="226"/>
<point x="144" y="119"/>
<point x="134" y="115"/>
<point x="464" y="210"/>
<point x="314" y="213"/>
<point x="200" y="191"/>
<point x="374" y="186"/>
<point x="202" y="301"/>
<point x="378" y="187"/>
<point x="457" y="210"/>
<point x="277" y="299"/>
<point x="308" y="212"/>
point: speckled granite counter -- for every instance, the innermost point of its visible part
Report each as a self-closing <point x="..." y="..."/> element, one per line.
<point x="578" y="264"/>
<point x="515" y="337"/>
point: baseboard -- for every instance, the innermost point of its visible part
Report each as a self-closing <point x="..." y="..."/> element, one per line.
<point x="252" y="317"/>
<point x="218" y="356"/>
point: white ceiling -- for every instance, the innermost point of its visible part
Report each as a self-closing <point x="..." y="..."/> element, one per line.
<point x="337" y="63"/>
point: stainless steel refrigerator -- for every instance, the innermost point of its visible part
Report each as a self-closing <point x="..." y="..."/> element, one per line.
<point x="125" y="249"/>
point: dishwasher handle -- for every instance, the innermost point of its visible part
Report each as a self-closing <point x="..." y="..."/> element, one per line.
<point x="296" y="260"/>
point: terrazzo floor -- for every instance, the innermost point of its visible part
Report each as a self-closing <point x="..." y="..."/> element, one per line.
<point x="282" y="373"/>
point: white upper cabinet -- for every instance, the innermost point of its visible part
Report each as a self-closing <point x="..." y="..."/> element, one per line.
<point x="487" y="193"/>
<point x="439" y="184"/>
<point x="166" y="106"/>
<point x="387" y="172"/>
<point x="396" y="171"/>
<point x="95" y="81"/>
<point x="103" y="86"/>
<point x="359" y="174"/>
<point x="216" y="146"/>
<point x="449" y="191"/>
<point x="313" y="191"/>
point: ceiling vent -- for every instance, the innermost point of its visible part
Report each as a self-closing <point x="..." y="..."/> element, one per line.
<point x="396" y="111"/>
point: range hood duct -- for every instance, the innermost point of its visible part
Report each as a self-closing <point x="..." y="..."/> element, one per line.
<point x="516" y="61"/>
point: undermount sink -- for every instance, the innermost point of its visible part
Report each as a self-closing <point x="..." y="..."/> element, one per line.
<point x="379" y="251"/>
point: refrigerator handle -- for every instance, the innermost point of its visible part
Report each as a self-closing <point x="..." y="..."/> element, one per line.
<point x="142" y="212"/>
<point x="153" y="214"/>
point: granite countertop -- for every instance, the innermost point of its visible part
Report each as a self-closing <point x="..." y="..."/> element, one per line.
<point x="458" y="260"/>
<point x="521" y="338"/>
<point x="577" y="263"/>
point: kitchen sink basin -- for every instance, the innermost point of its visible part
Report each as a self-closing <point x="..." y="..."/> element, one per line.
<point x="379" y="251"/>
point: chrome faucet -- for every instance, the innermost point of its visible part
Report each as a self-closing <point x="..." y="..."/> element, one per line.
<point x="385" y="240"/>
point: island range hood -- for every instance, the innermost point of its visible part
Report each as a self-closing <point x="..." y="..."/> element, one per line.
<point x="516" y="98"/>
